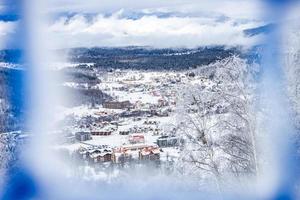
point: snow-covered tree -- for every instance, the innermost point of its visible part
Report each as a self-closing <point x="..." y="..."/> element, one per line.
<point x="216" y="119"/>
<point x="8" y="153"/>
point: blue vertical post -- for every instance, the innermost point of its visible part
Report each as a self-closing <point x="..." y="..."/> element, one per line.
<point x="20" y="184"/>
<point x="279" y="124"/>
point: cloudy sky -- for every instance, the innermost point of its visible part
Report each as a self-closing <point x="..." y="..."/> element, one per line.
<point x="158" y="23"/>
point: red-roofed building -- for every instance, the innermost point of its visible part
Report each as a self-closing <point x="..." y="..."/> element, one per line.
<point x="149" y="153"/>
<point x="136" y="138"/>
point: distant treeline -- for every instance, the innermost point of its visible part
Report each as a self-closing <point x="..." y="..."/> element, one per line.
<point x="154" y="59"/>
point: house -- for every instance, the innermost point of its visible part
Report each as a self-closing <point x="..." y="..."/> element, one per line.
<point x="124" y="132"/>
<point x="83" y="136"/>
<point x="121" y="155"/>
<point x="101" y="133"/>
<point x="133" y="113"/>
<point x="168" y="141"/>
<point x="96" y="154"/>
<point x="135" y="147"/>
<point x="101" y="155"/>
<point x="149" y="153"/>
<point x="117" y="105"/>
<point x="149" y="122"/>
<point x="136" y="138"/>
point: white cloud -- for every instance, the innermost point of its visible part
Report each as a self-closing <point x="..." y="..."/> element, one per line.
<point x="148" y="31"/>
<point x="186" y="23"/>
<point x="7" y="31"/>
<point x="231" y="8"/>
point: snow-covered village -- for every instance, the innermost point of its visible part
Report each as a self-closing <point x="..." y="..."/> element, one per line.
<point x="137" y="123"/>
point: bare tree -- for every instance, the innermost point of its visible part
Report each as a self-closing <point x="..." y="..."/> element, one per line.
<point x="217" y="121"/>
